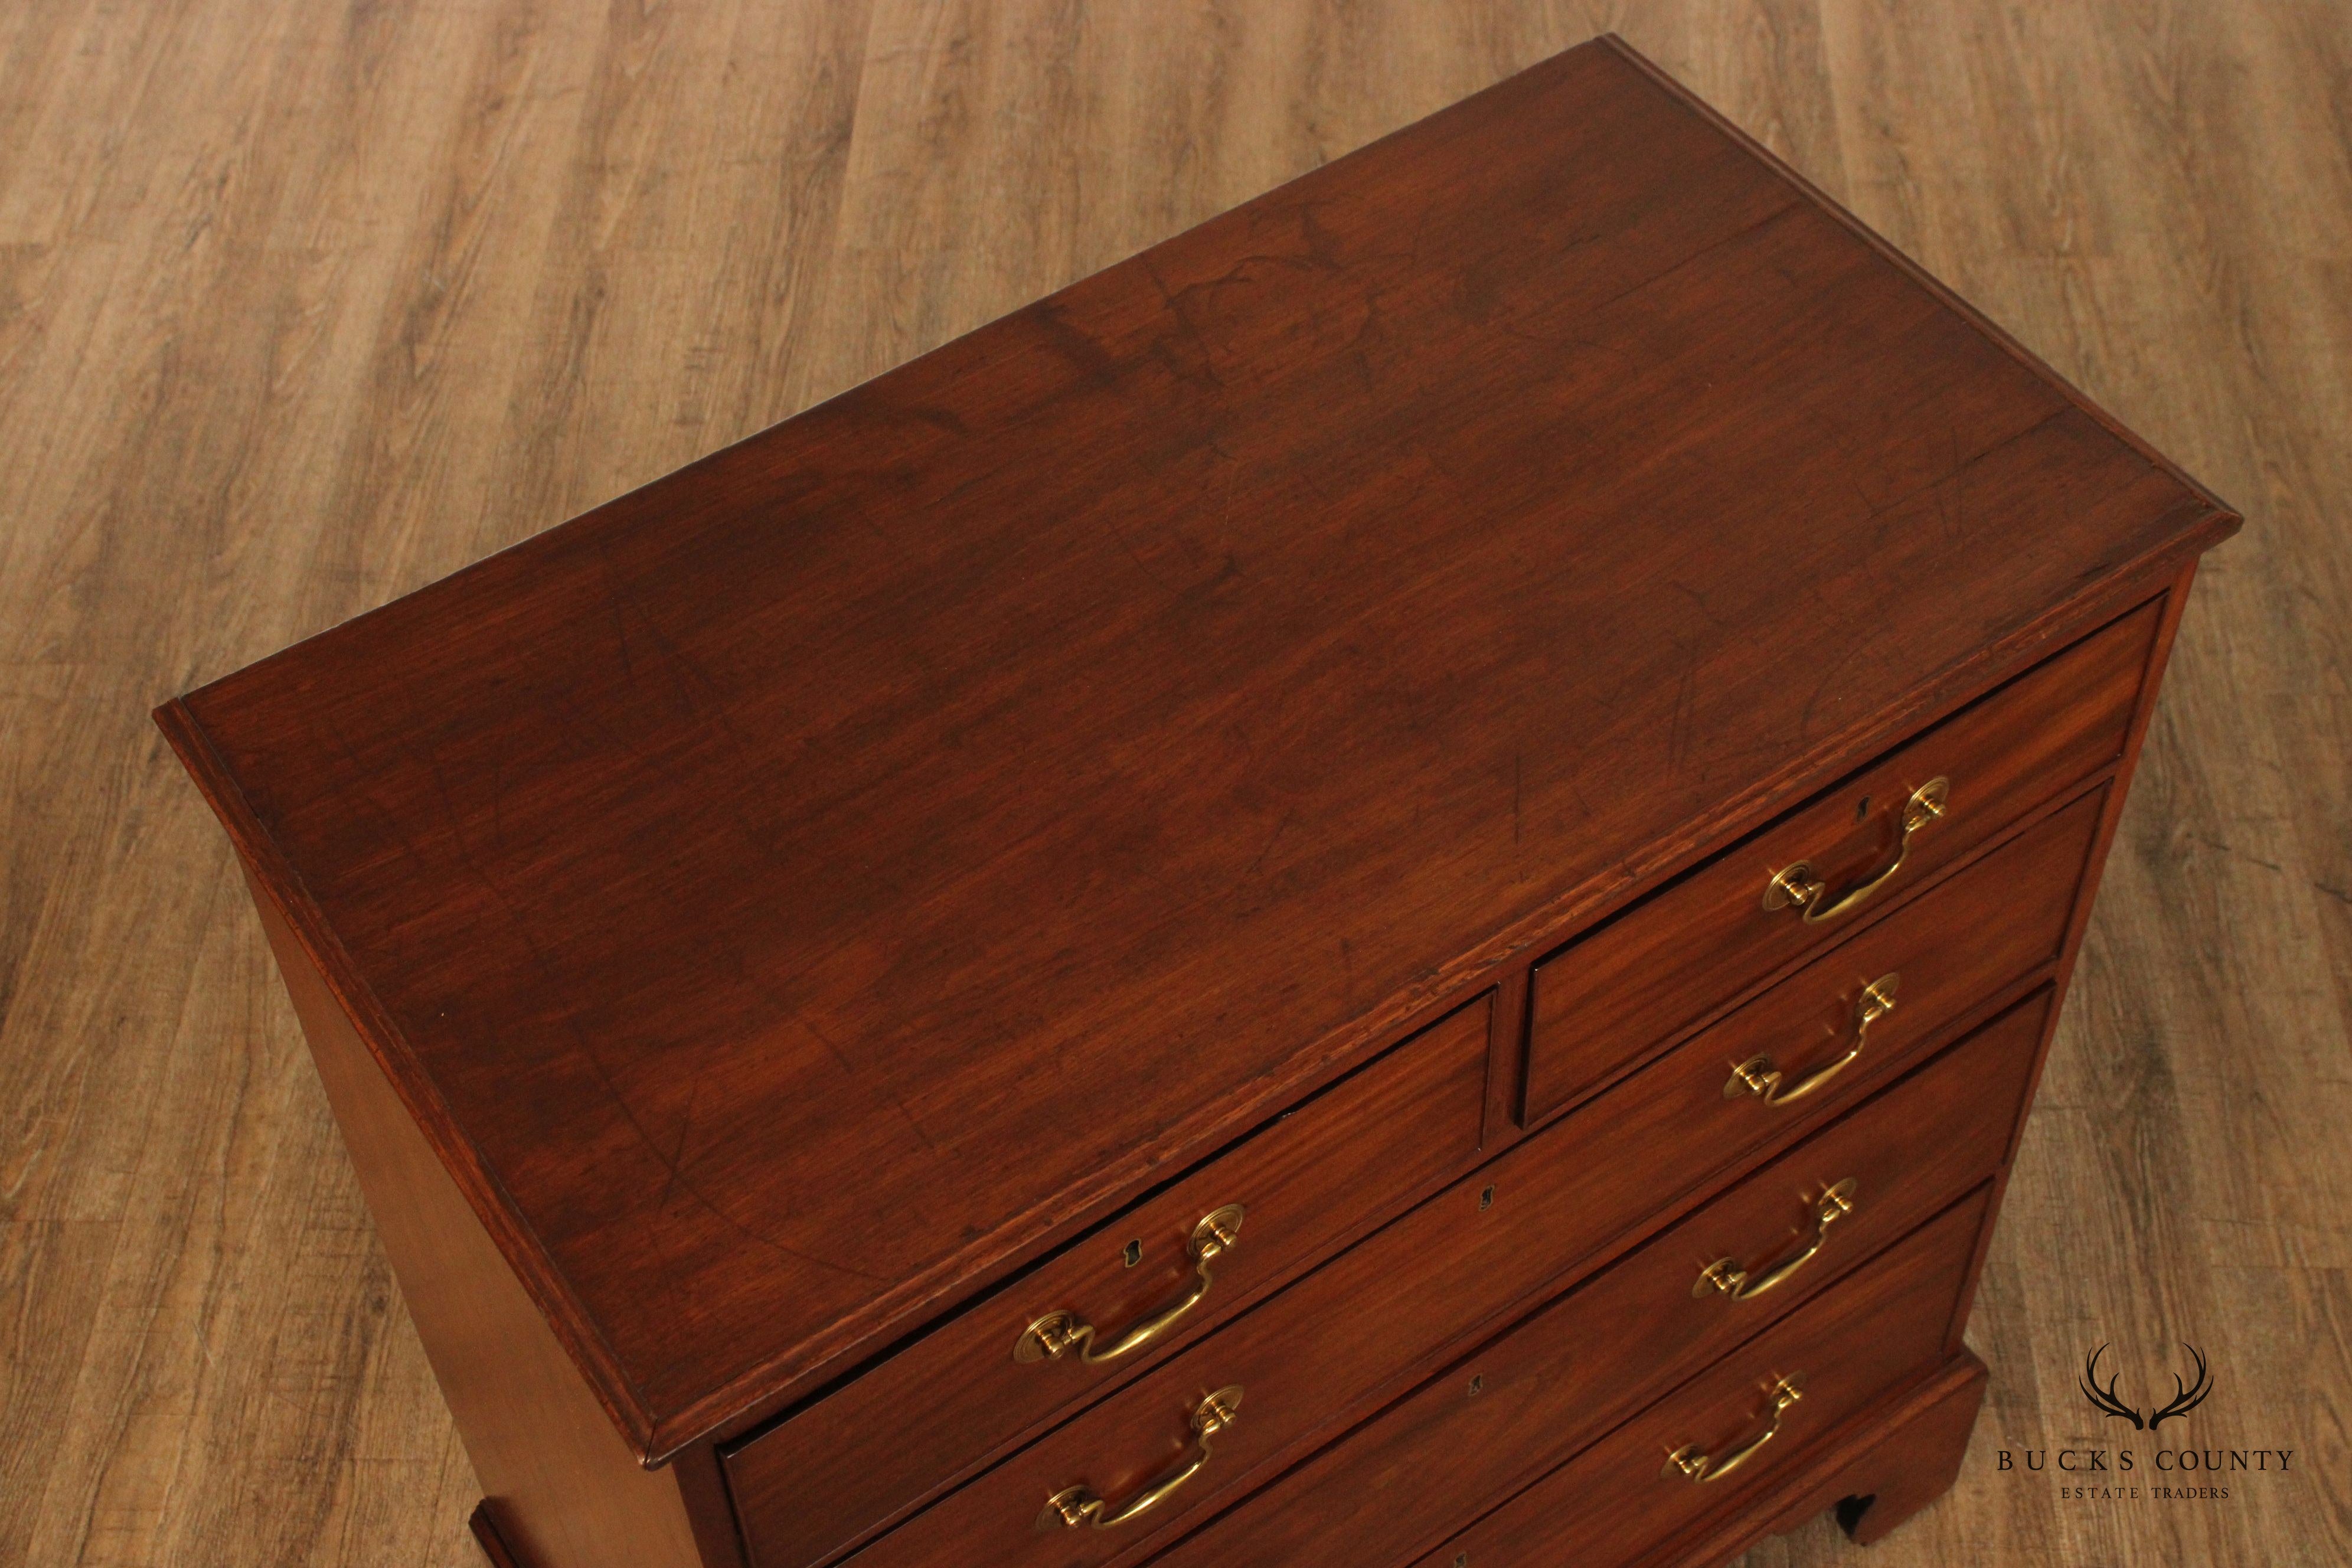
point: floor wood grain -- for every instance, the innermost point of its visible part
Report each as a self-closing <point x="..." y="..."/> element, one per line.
<point x="302" y="306"/>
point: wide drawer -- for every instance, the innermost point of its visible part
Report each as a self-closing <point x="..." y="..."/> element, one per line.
<point x="1543" y="1390"/>
<point x="1863" y="1341"/>
<point x="1608" y="998"/>
<point x="811" y="1486"/>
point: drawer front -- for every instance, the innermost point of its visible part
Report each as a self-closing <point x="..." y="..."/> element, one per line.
<point x="1315" y="1354"/>
<point x="1866" y="1340"/>
<point x="1598" y="1005"/>
<point x="811" y="1486"/>
<point x="1531" y="1399"/>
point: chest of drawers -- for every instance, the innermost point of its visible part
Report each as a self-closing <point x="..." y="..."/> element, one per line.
<point x="1400" y="864"/>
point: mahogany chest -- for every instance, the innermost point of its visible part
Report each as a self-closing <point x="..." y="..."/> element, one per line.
<point x="1382" y="888"/>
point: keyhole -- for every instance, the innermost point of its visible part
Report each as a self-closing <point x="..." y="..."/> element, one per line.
<point x="1133" y="1253"/>
<point x="1486" y="1198"/>
<point x="1477" y="1386"/>
<point x="1861" y="808"/>
<point x="1461" y="1559"/>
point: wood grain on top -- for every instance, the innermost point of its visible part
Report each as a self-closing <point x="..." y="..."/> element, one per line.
<point x="794" y="888"/>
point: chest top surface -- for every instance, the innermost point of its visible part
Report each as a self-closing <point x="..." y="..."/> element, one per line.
<point x="789" y="890"/>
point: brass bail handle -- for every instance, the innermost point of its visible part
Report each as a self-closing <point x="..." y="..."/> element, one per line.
<point x="1759" y="1077"/>
<point x="1688" y="1461"/>
<point x="1797" y="888"/>
<point x="1725" y="1275"/>
<point x="1076" y="1506"/>
<point x="1058" y="1332"/>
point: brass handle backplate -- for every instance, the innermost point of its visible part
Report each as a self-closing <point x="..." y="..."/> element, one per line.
<point x="1073" y="1507"/>
<point x="1759" y="1077"/>
<point x="1058" y="1332"/>
<point x="1798" y="887"/>
<point x="1726" y="1276"/>
<point x="1689" y="1462"/>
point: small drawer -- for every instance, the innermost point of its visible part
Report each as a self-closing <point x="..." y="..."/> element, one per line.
<point x="1565" y="1376"/>
<point x="811" y="1485"/>
<point x="1864" y="1342"/>
<point x="1609" y="998"/>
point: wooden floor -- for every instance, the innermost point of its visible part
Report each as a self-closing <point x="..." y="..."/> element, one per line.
<point x="301" y="307"/>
